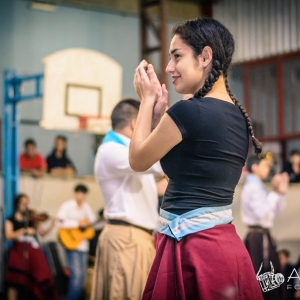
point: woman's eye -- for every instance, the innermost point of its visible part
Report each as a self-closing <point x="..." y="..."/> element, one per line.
<point x="176" y="56"/>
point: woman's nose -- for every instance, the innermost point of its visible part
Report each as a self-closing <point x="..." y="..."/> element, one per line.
<point x="170" y="67"/>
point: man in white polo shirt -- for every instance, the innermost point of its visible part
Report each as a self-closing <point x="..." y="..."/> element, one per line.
<point x="125" y="250"/>
<point x="72" y="214"/>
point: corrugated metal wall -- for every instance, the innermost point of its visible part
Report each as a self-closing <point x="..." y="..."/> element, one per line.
<point x="261" y="28"/>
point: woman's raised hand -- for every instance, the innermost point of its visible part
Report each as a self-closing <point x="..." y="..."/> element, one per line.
<point x="149" y="89"/>
<point x="146" y="84"/>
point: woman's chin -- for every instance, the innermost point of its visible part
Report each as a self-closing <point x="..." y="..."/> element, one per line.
<point x="179" y="90"/>
<point x="182" y="91"/>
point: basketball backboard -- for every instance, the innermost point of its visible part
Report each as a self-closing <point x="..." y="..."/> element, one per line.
<point x="80" y="83"/>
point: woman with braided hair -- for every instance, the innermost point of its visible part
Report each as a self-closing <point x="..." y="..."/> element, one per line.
<point x="202" y="144"/>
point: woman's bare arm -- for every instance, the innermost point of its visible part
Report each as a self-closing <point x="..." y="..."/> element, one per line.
<point x="10" y="234"/>
<point x="147" y="148"/>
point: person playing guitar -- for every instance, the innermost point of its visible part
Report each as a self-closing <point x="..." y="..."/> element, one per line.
<point x="74" y="217"/>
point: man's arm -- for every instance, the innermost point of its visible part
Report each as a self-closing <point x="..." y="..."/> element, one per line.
<point x="261" y="203"/>
<point x="62" y="218"/>
<point x="161" y="186"/>
<point x="90" y="214"/>
<point x="257" y="200"/>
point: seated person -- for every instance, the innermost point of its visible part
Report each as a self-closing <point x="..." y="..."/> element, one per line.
<point x="58" y="161"/>
<point x="292" y="167"/>
<point x="286" y="271"/>
<point x="27" y="270"/>
<point x="297" y="280"/>
<point x="31" y="161"/>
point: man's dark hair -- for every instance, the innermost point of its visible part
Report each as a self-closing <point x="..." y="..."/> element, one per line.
<point x="294" y="152"/>
<point x="125" y="111"/>
<point x="30" y="142"/>
<point x="252" y="160"/>
<point x="285" y="252"/>
<point x="81" y="188"/>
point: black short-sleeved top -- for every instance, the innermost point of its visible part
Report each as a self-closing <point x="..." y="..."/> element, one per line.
<point x="59" y="162"/>
<point x="20" y="224"/>
<point x="205" y="167"/>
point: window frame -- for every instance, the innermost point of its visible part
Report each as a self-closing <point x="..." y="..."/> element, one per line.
<point x="279" y="60"/>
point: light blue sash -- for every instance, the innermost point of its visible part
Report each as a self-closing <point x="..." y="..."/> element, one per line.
<point x="193" y="221"/>
<point x="111" y="136"/>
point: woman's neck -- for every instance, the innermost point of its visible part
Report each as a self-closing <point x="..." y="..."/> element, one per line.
<point x="19" y="216"/>
<point x="219" y="86"/>
<point x="58" y="153"/>
<point x="219" y="91"/>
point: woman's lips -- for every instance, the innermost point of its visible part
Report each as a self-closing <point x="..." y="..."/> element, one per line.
<point x="175" y="78"/>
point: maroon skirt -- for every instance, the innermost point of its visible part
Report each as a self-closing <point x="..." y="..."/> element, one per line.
<point x="27" y="268"/>
<point x="209" y="265"/>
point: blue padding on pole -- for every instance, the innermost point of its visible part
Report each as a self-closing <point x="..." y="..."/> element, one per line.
<point x="10" y="134"/>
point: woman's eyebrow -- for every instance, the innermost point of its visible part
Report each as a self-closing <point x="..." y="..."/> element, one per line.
<point x="174" y="50"/>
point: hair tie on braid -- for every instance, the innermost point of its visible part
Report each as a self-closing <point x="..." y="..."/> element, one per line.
<point x="258" y="146"/>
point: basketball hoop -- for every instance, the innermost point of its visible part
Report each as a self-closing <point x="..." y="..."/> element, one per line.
<point x="95" y="124"/>
<point x="82" y="122"/>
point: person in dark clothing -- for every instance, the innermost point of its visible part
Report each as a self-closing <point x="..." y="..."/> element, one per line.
<point x="27" y="269"/>
<point x="292" y="167"/>
<point x="202" y="144"/>
<point x="286" y="270"/>
<point x="58" y="161"/>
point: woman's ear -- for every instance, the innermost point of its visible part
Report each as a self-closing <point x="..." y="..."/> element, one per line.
<point x="206" y="56"/>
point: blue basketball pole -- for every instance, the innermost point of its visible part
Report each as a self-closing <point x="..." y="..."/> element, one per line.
<point x="10" y="132"/>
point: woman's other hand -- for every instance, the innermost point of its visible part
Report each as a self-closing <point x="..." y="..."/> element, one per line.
<point x="30" y="231"/>
<point x="160" y="106"/>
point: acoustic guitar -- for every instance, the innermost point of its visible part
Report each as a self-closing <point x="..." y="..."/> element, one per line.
<point x="70" y="238"/>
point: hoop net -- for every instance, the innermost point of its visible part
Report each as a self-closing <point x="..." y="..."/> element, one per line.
<point x="94" y="124"/>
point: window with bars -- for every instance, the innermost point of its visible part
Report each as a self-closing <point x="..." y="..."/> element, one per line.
<point x="270" y="91"/>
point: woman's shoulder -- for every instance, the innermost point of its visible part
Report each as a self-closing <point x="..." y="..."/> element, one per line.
<point x="50" y="156"/>
<point x="11" y="218"/>
<point x="184" y="104"/>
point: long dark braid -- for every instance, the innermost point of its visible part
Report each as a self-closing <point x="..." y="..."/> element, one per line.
<point x="203" y="32"/>
<point x="255" y="141"/>
<point x="213" y="76"/>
